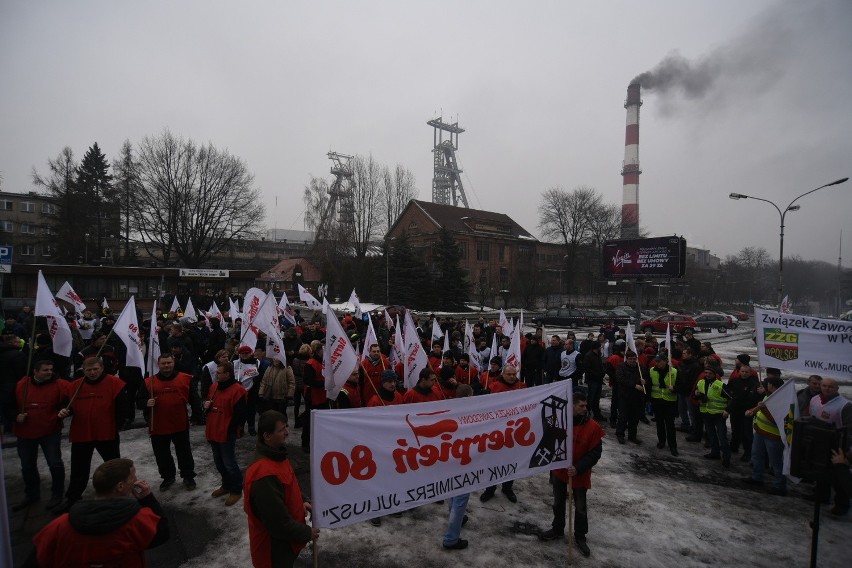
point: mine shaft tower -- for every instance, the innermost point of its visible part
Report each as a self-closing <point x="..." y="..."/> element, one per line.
<point x="447" y="185"/>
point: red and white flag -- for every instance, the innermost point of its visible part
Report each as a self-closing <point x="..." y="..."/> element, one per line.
<point x="415" y="356"/>
<point x="215" y="312"/>
<point x="339" y="358"/>
<point x="388" y="321"/>
<point x="126" y="328"/>
<point x="371" y="339"/>
<point x="47" y="307"/>
<point x="154" y="344"/>
<point x="271" y="326"/>
<point x="286" y="310"/>
<point x="308" y="298"/>
<point x="254" y="301"/>
<point x="356" y="304"/>
<point x="785" y="305"/>
<point x="437" y="333"/>
<point x="68" y="294"/>
<point x="513" y="355"/>
<point x="397" y="354"/>
<point x="505" y="323"/>
<point x="475" y="359"/>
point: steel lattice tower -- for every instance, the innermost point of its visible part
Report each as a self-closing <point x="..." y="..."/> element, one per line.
<point x="447" y="185"/>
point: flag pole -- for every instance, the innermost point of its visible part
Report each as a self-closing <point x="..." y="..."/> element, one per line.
<point x="29" y="366"/>
<point x="570" y="520"/>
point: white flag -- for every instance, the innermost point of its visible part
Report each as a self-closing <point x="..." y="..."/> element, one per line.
<point x="397" y="354"/>
<point x="371" y="338"/>
<point x="189" y="312"/>
<point x="415" y="356"/>
<point x="286" y="309"/>
<point x="494" y="352"/>
<point x="784" y="409"/>
<point x="446" y="342"/>
<point x="215" y="312"/>
<point x="175" y="306"/>
<point x="308" y="298"/>
<point x="436" y="330"/>
<point x="475" y="359"/>
<point x="388" y="321"/>
<point x="268" y="323"/>
<point x="505" y="323"/>
<point x="234" y="309"/>
<point x="48" y="307"/>
<point x="785" y="305"/>
<point x="325" y="307"/>
<point x="513" y="355"/>
<point x="631" y="341"/>
<point x="668" y="340"/>
<point x="154" y="344"/>
<point x="339" y="358"/>
<point x="68" y="294"/>
<point x="126" y="328"/>
<point x="104" y="305"/>
<point x="356" y="304"/>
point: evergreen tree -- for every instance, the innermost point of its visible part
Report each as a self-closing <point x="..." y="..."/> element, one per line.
<point x="94" y="186"/>
<point x="450" y="279"/>
<point x="126" y="185"/>
<point x="61" y="182"/>
<point x="407" y="275"/>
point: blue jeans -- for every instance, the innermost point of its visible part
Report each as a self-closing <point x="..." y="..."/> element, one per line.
<point x="761" y="447"/>
<point x="28" y="452"/>
<point x="458" y="505"/>
<point x="683" y="405"/>
<point x="225" y="458"/>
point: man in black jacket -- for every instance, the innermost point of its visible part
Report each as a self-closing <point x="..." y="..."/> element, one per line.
<point x="553" y="359"/>
<point x="631" y="398"/>
<point x="687" y="376"/>
<point x="742" y="386"/>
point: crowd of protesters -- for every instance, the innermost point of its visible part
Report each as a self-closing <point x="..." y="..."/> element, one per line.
<point x="207" y="377"/>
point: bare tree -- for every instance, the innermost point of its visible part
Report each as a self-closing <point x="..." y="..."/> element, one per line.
<point x="315" y="198"/>
<point x="194" y="200"/>
<point x="366" y="202"/>
<point x="126" y="184"/>
<point x="61" y="182"/>
<point x="398" y="189"/>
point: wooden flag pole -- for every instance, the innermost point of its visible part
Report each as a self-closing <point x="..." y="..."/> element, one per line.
<point x="570" y="520"/>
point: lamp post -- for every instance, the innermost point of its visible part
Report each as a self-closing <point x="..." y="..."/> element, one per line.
<point x="783" y="214"/>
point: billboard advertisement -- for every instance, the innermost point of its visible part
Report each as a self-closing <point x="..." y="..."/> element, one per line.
<point x="658" y="257"/>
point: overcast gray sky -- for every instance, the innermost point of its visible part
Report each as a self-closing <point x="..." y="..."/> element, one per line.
<point x="539" y="87"/>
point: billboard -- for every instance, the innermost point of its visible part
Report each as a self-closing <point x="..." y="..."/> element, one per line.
<point x="658" y="257"/>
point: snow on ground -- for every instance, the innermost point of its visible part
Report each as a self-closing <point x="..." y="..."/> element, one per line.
<point x="646" y="508"/>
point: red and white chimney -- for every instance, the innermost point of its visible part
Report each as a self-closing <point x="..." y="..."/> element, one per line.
<point x="630" y="168"/>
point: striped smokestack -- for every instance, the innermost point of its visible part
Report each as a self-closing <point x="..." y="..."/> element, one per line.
<point x="630" y="168"/>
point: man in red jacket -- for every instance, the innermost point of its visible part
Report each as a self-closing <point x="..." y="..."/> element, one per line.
<point x="164" y="399"/>
<point x="99" y="404"/>
<point x="273" y="503"/>
<point x="113" y="530"/>
<point x="587" y="449"/>
<point x="508" y="381"/>
<point x="374" y="365"/>
<point x="37" y="425"/>
<point x="226" y="413"/>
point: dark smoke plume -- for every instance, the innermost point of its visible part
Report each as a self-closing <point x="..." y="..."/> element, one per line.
<point x="773" y="45"/>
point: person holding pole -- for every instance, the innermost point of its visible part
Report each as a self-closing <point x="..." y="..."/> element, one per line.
<point x="40" y="398"/>
<point x="164" y="399"/>
<point x="99" y="404"/>
<point x="573" y="482"/>
<point x="631" y="398"/>
<point x="273" y="501"/>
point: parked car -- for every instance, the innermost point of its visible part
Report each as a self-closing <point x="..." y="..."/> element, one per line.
<point x="710" y="321"/>
<point x="742" y="316"/>
<point x="564" y="317"/>
<point x="619" y="317"/>
<point x="679" y="323"/>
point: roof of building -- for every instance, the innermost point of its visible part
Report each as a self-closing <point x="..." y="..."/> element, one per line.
<point x="284" y="270"/>
<point x="470" y="221"/>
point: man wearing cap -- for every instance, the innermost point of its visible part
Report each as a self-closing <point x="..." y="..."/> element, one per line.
<point x="664" y="398"/>
<point x="387" y="395"/>
<point x="691" y="342"/>
<point x="374" y="365"/>
<point x="247" y="373"/>
<point x="714" y="411"/>
<point x="465" y="374"/>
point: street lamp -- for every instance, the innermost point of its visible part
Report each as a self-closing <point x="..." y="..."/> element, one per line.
<point x="783" y="214"/>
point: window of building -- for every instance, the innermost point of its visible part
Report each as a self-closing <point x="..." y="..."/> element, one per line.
<point x="501" y="252"/>
<point x="482" y="250"/>
<point x="504" y="277"/>
<point x="28" y="228"/>
<point x="48" y="250"/>
<point x="6" y="205"/>
<point x="27" y="250"/>
<point x="48" y="230"/>
<point x="524" y="251"/>
<point x="28" y="207"/>
<point x="7" y="226"/>
<point x="48" y="208"/>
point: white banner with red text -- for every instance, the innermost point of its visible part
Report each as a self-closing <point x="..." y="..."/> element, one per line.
<point x="807" y="344"/>
<point x="370" y="462"/>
